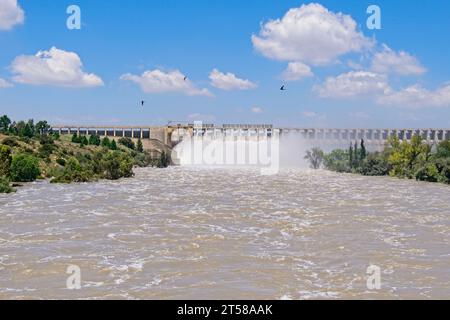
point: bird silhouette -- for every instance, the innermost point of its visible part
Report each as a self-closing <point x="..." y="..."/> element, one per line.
<point x="185" y="78"/>
<point x="142" y="103"/>
<point x="283" y="88"/>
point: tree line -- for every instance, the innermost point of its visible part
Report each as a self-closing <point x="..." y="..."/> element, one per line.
<point x="414" y="159"/>
<point x="30" y="151"/>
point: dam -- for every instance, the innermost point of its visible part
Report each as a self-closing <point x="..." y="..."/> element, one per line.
<point x="172" y="134"/>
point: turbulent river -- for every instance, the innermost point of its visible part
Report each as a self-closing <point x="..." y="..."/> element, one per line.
<point x="191" y="233"/>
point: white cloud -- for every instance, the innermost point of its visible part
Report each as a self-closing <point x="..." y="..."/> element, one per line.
<point x="157" y="81"/>
<point x="417" y="97"/>
<point x="54" y="67"/>
<point x="257" y="110"/>
<point x="297" y="71"/>
<point x="201" y="117"/>
<point x="11" y="14"/>
<point x="389" y="61"/>
<point x="311" y="34"/>
<point x="352" y="84"/>
<point x="229" y="81"/>
<point x="5" y="84"/>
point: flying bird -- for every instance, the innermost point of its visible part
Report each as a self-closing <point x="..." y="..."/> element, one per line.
<point x="283" y="88"/>
<point x="142" y="103"/>
<point x="185" y="78"/>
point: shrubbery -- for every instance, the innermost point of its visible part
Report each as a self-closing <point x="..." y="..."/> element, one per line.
<point x="412" y="159"/>
<point x="24" y="168"/>
<point x="5" y="185"/>
<point x="127" y="142"/>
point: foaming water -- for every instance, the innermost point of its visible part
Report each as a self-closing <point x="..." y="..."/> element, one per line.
<point x="199" y="233"/>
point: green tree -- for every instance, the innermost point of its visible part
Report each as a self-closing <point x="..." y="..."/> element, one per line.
<point x="24" y="168"/>
<point x="83" y="141"/>
<point x="127" y="142"/>
<point x="139" y="147"/>
<point x="116" y="165"/>
<point x="94" y="140"/>
<point x="106" y="143"/>
<point x="315" y="157"/>
<point x="42" y="127"/>
<point x="5" y="122"/>
<point x="405" y="156"/>
<point x="363" y="152"/>
<point x="113" y="144"/>
<point x="338" y="160"/>
<point x="75" y="138"/>
<point x="5" y="160"/>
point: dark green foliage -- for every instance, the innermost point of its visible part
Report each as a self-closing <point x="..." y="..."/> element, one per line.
<point x="61" y="161"/>
<point x="47" y="146"/>
<point x="5" y="122"/>
<point x="338" y="160"/>
<point x="83" y="141"/>
<point x="75" y="138"/>
<point x="42" y="127"/>
<point x="143" y="159"/>
<point x="362" y="152"/>
<point x="375" y="164"/>
<point x="5" y="160"/>
<point x="113" y="145"/>
<point x="139" y="146"/>
<point x="127" y="142"/>
<point x="106" y="143"/>
<point x="24" y="168"/>
<point x="94" y="140"/>
<point x="10" y="141"/>
<point x="5" y="185"/>
<point x="73" y="172"/>
<point x="116" y="165"/>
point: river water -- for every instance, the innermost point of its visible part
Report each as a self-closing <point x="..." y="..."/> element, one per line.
<point x="209" y="233"/>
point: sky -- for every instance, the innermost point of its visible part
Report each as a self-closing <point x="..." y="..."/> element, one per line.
<point x="224" y="61"/>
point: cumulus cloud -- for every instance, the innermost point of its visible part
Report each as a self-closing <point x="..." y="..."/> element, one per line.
<point x="11" y="14"/>
<point x="311" y="34"/>
<point x="389" y="61"/>
<point x="417" y="97"/>
<point x="352" y="84"/>
<point x="297" y="71"/>
<point x="257" y="110"/>
<point x="229" y="81"/>
<point x="158" y="81"/>
<point x="5" y="84"/>
<point x="54" y="67"/>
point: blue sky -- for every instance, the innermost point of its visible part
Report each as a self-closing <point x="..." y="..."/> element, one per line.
<point x="341" y="75"/>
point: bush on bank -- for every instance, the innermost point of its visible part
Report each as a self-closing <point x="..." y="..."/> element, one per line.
<point x="24" y="168"/>
<point x="412" y="159"/>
